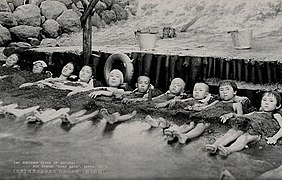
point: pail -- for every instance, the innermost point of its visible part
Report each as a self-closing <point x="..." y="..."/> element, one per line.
<point x="147" y="41"/>
<point x="242" y="39"/>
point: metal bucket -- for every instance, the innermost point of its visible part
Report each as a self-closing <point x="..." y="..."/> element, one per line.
<point x="242" y="39"/>
<point x="147" y="41"/>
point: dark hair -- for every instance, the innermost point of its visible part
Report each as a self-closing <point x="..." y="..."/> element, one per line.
<point x="276" y="95"/>
<point x="230" y="83"/>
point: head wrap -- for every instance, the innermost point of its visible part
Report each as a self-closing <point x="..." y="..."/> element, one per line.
<point x="42" y="62"/>
<point x="119" y="73"/>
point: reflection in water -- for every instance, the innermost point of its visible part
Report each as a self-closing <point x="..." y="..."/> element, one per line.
<point x="131" y="149"/>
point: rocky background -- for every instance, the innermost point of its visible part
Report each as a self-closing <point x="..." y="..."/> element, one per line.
<point x="40" y="22"/>
<point x="115" y="21"/>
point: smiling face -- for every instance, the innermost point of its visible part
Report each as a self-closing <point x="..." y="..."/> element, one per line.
<point x="115" y="79"/>
<point x="226" y="92"/>
<point x="200" y="91"/>
<point x="177" y="86"/>
<point x="268" y="102"/>
<point x="85" y="74"/>
<point x="12" y="60"/>
<point x="143" y="84"/>
<point x="68" y="69"/>
<point x="37" y="68"/>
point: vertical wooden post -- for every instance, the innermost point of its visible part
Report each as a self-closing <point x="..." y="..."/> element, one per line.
<point x="239" y="67"/>
<point x="85" y="20"/>
<point x="87" y="40"/>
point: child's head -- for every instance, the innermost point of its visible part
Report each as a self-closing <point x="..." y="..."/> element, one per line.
<point x="68" y="69"/>
<point x="85" y="74"/>
<point x="177" y="86"/>
<point x="200" y="91"/>
<point x="12" y="60"/>
<point x="143" y="84"/>
<point x="227" y="90"/>
<point x="270" y="101"/>
<point x="115" y="78"/>
<point x="38" y="66"/>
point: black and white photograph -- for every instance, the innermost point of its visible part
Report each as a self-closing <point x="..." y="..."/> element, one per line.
<point x="141" y="89"/>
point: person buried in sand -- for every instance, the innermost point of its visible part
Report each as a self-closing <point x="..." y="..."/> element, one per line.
<point x="213" y="111"/>
<point x="250" y="127"/>
<point x="12" y="61"/>
<point x="115" y="80"/>
<point x="10" y="64"/>
<point x="142" y="92"/>
<point x="39" y="67"/>
<point x="176" y="91"/>
<point x="200" y="100"/>
<point x="65" y="74"/>
<point x="84" y="83"/>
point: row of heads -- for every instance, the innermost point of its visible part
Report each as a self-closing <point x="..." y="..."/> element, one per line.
<point x="227" y="88"/>
<point x="270" y="101"/>
<point x="38" y="67"/>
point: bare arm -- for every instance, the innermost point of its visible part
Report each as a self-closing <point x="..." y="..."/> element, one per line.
<point x="238" y="111"/>
<point x="273" y="139"/>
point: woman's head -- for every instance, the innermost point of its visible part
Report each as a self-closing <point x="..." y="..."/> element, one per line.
<point x="115" y="78"/>
<point x="85" y="74"/>
<point x="68" y="69"/>
<point x="227" y="90"/>
<point x="38" y="66"/>
<point x="12" y="60"/>
<point x="270" y="101"/>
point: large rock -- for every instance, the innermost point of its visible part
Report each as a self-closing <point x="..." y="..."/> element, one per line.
<point x="16" y="3"/>
<point x="23" y="32"/>
<point x="66" y="2"/>
<point x="96" y="20"/>
<point x="51" y="28"/>
<point x="108" y="16"/>
<point x="69" y="21"/>
<point x="5" y="36"/>
<point x="4" y="7"/>
<point x="52" y="9"/>
<point x="100" y="6"/>
<point x="7" y="19"/>
<point x="109" y="3"/>
<point x="16" y="47"/>
<point x="28" y="14"/>
<point x="120" y="12"/>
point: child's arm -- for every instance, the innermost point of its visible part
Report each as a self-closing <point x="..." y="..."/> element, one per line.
<point x="273" y="139"/>
<point x="158" y="97"/>
<point x="96" y="93"/>
<point x="238" y="110"/>
<point x="200" y="107"/>
<point x="163" y="104"/>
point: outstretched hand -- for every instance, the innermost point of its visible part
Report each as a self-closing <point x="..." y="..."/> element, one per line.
<point x="172" y="103"/>
<point x="225" y="117"/>
<point x="93" y="95"/>
<point x="271" y="140"/>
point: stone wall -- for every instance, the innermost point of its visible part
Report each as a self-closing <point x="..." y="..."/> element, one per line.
<point x="40" y="22"/>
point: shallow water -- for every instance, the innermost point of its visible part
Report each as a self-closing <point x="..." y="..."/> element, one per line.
<point x="93" y="149"/>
